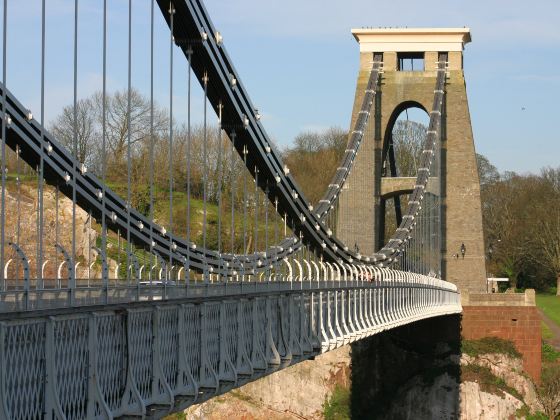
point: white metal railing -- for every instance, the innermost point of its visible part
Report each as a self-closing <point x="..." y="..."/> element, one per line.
<point x="108" y="362"/>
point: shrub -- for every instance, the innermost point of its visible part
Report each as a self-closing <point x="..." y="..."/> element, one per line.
<point x="549" y="390"/>
<point x="488" y="345"/>
<point x="337" y="407"/>
<point x="487" y="381"/>
<point x="549" y="353"/>
<point x="525" y="412"/>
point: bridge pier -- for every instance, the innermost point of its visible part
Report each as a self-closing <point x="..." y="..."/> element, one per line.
<point x="510" y="316"/>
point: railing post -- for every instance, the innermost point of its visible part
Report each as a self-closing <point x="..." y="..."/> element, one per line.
<point x="25" y="264"/>
<point x="208" y="378"/>
<point x="323" y="335"/>
<point x="104" y="275"/>
<point x="227" y="371"/>
<point x="53" y="409"/>
<point x="330" y="331"/>
<point x="339" y="332"/>
<point x="95" y="396"/>
<point x="294" y="341"/>
<point x="345" y="329"/>
<point x="132" y="403"/>
<point x="304" y="337"/>
<point x="243" y="362"/>
<point x="258" y="359"/>
<point x="161" y="391"/>
<point x="186" y="385"/>
<point x="271" y="353"/>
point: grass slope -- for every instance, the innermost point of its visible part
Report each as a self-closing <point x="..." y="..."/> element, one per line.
<point x="550" y="305"/>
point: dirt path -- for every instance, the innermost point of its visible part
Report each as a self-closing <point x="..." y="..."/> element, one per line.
<point x="554" y="328"/>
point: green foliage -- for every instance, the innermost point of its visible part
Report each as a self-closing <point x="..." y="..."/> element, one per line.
<point x="141" y="200"/>
<point x="539" y="415"/>
<point x="545" y="331"/>
<point x="241" y="396"/>
<point x="337" y="407"/>
<point x="487" y="381"/>
<point x="488" y="345"/>
<point x="549" y="353"/>
<point x="525" y="412"/>
<point x="550" y="305"/>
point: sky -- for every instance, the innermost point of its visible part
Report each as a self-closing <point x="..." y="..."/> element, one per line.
<point x="299" y="62"/>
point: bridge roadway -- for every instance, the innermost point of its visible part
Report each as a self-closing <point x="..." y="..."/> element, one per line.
<point x="152" y="357"/>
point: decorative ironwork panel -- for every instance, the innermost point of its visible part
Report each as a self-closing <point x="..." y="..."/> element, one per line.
<point x="192" y="326"/>
<point x="111" y="357"/>
<point x="140" y="350"/>
<point x="213" y="334"/>
<point x="248" y="326"/>
<point x="71" y="365"/>
<point x="169" y="343"/>
<point x="231" y="329"/>
<point x="24" y="377"/>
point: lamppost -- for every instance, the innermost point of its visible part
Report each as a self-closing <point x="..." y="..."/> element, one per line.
<point x="462" y="251"/>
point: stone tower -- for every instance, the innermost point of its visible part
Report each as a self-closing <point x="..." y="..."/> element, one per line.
<point x="401" y="87"/>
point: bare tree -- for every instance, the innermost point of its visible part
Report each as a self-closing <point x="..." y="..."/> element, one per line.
<point x="314" y="158"/>
<point x="549" y="391"/>
<point x="89" y="127"/>
<point x="140" y="124"/>
<point x="545" y="230"/>
<point x="408" y="139"/>
<point x="549" y="241"/>
<point x="79" y="127"/>
<point x="487" y="173"/>
<point x="506" y="219"/>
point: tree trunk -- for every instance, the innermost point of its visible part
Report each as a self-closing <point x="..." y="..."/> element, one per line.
<point x="513" y="282"/>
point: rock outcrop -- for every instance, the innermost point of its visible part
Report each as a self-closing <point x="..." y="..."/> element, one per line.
<point x="293" y="393"/>
<point x="400" y="374"/>
<point x="21" y="228"/>
<point x="491" y="387"/>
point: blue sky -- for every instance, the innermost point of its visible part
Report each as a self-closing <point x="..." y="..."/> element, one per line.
<point x="299" y="62"/>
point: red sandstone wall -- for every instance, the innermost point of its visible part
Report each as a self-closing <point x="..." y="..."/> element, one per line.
<point x="519" y="324"/>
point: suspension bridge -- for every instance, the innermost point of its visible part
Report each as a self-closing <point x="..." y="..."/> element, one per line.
<point x="142" y="316"/>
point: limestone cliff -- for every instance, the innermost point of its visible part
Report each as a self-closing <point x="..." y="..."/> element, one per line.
<point x="491" y="387"/>
<point x="293" y="393"/>
<point x="400" y="374"/>
<point x="21" y="228"/>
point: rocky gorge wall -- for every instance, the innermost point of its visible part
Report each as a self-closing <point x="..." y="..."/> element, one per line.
<point x="414" y="372"/>
<point x="21" y="228"/>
